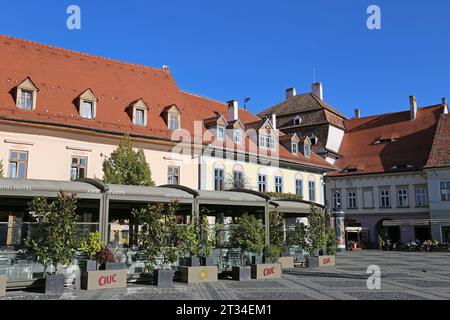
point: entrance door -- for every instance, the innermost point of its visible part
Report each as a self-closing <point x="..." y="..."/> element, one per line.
<point x="391" y="233"/>
<point x="422" y="233"/>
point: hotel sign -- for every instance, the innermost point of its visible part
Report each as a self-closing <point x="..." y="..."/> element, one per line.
<point x="102" y="279"/>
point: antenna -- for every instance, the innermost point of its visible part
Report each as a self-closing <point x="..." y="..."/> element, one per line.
<point x="245" y="102"/>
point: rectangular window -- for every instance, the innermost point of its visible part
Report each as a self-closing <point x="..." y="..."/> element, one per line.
<point x="445" y="234"/>
<point x="79" y="168"/>
<point x="307" y="149"/>
<point x="237" y="135"/>
<point x="279" y="184"/>
<point x="18" y="164"/>
<point x="445" y="190"/>
<point x="402" y="198"/>
<point x="262" y="183"/>
<point x="299" y="187"/>
<point x="267" y="142"/>
<point x="173" y="175"/>
<point x="140" y="117"/>
<point x="385" y="198"/>
<point x="312" y="191"/>
<point x="294" y="147"/>
<point x="174" y="123"/>
<point x="219" y="179"/>
<point x="238" y="180"/>
<point x="352" y="200"/>
<point x="87" y="110"/>
<point x="26" y="100"/>
<point x="220" y="133"/>
<point x="337" y="199"/>
<point x="368" y="198"/>
<point x="421" y="197"/>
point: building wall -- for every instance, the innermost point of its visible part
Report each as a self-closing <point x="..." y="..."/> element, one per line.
<point x="50" y="152"/>
<point x="371" y="215"/>
<point x="251" y="171"/>
<point x="438" y="209"/>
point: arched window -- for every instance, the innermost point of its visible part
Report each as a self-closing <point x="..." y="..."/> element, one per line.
<point x="297" y="120"/>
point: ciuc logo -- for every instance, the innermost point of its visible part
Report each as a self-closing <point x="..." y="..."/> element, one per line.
<point x="268" y="271"/>
<point x="104" y="280"/>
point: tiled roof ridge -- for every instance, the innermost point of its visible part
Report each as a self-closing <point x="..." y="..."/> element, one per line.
<point x="83" y="54"/>
<point x="393" y="113"/>
<point x="327" y="106"/>
<point x="437" y="136"/>
<point x="202" y="96"/>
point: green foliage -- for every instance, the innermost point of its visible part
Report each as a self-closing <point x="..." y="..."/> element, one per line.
<point x="126" y="166"/>
<point x="272" y="252"/>
<point x="189" y="240"/>
<point x="159" y="235"/>
<point x="276" y="231"/>
<point x="207" y="238"/>
<point x="57" y="237"/>
<point x="92" y="245"/>
<point x="197" y="239"/>
<point x="248" y="235"/>
<point x="1" y="168"/>
<point x="311" y="237"/>
<point x="332" y="242"/>
<point x="284" y="196"/>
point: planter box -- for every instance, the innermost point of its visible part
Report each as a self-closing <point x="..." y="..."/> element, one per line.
<point x="2" y="286"/>
<point x="109" y="266"/>
<point x="312" y="262"/>
<point x="286" y="262"/>
<point x="242" y="273"/>
<point x="190" y="262"/>
<point x="257" y="259"/>
<point x="206" y="261"/>
<point x="266" y="271"/>
<point x="54" y="284"/>
<point x="199" y="274"/>
<point x="104" y="279"/>
<point x="327" y="261"/>
<point x="163" y="278"/>
<point x="87" y="265"/>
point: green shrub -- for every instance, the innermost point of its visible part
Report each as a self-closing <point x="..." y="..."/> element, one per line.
<point x="249" y="235"/>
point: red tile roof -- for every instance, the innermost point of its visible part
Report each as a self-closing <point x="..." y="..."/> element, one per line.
<point x="440" y="152"/>
<point x="409" y="149"/>
<point x="62" y="75"/>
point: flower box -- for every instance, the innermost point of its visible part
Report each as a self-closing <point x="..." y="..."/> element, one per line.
<point x="266" y="271"/>
<point x="2" y="286"/>
<point x="199" y="274"/>
<point x="104" y="279"/>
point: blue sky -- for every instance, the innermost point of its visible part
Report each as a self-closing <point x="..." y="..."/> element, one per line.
<point x="236" y="49"/>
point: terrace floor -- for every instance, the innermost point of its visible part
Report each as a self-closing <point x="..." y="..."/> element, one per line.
<point x="404" y="276"/>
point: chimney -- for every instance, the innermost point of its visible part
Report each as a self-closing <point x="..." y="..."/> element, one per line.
<point x="233" y="109"/>
<point x="357" y="113"/>
<point x="274" y="121"/>
<point x="413" y="107"/>
<point x="291" y="92"/>
<point x="317" y="89"/>
<point x="445" y="105"/>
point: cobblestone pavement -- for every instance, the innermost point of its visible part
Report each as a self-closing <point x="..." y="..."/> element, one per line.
<point x="404" y="276"/>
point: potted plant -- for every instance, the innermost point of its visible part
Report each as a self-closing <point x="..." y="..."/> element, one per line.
<point x="272" y="253"/>
<point x="189" y="245"/>
<point x="90" y="246"/>
<point x="311" y="237"/>
<point x="247" y="236"/>
<point x="159" y="238"/>
<point x="57" y="238"/>
<point x="206" y="241"/>
<point x="108" y="260"/>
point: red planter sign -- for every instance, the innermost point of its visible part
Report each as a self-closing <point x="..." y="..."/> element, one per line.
<point x="102" y="279"/>
<point x="327" y="261"/>
<point x="266" y="271"/>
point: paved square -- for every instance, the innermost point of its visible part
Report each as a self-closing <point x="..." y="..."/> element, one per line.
<point x="404" y="276"/>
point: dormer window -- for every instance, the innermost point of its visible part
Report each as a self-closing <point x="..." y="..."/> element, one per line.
<point x="174" y="122"/>
<point x="172" y="116"/>
<point x="294" y="147"/>
<point x="314" y="140"/>
<point x="297" y="120"/>
<point x="138" y="112"/>
<point x="267" y="141"/>
<point x="87" y="104"/>
<point x="87" y="110"/>
<point x="26" y="94"/>
<point x="237" y="136"/>
<point x="220" y="133"/>
<point x="307" y="151"/>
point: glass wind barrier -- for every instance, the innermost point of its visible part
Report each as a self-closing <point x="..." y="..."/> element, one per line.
<point x="16" y="263"/>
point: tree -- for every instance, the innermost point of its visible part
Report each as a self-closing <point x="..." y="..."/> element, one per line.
<point x="57" y="235"/>
<point x="276" y="228"/>
<point x="126" y="166"/>
<point x="248" y="235"/>
<point x="232" y="182"/>
<point x="332" y="241"/>
<point x="311" y="237"/>
<point x="159" y="235"/>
